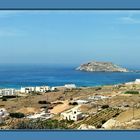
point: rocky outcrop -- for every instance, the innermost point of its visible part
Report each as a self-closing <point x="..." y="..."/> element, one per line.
<point x="86" y="127"/>
<point x="95" y="66"/>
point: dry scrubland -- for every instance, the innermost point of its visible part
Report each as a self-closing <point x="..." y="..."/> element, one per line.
<point x="123" y="108"/>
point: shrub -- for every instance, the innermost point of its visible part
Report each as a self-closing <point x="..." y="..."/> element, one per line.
<point x="4" y="99"/>
<point x="40" y="124"/>
<point x="131" y="92"/>
<point x="71" y="98"/>
<point x="43" y="102"/>
<point x="44" y="107"/>
<point x="70" y="103"/>
<point x="116" y="115"/>
<point x="98" y="88"/>
<point x="73" y="103"/>
<point x="103" y="121"/>
<point x="105" y="106"/>
<point x="51" y="107"/>
<point x="99" y="125"/>
<point x="58" y="103"/>
<point x="17" y="115"/>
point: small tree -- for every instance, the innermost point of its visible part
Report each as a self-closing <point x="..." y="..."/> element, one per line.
<point x="74" y="103"/>
<point x="4" y="99"/>
<point x="43" y="102"/>
<point x="131" y="92"/>
<point x="17" y="115"/>
<point x="105" y="106"/>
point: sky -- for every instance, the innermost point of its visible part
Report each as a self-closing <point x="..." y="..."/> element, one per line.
<point x="70" y="37"/>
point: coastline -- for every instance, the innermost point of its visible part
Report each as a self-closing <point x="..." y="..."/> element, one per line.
<point x="38" y="75"/>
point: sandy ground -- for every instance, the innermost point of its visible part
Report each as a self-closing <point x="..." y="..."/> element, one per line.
<point x="28" y="110"/>
<point x="128" y="115"/>
<point x="60" y="108"/>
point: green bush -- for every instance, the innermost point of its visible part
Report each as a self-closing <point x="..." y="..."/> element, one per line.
<point x="43" y="102"/>
<point x="131" y="92"/>
<point x="98" y="88"/>
<point x="40" y="124"/>
<point x="103" y="121"/>
<point x="17" y="115"/>
<point x="4" y="99"/>
<point x="105" y="106"/>
<point x="73" y="103"/>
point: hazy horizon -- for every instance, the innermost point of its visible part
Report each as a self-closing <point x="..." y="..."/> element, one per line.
<point x="69" y="37"/>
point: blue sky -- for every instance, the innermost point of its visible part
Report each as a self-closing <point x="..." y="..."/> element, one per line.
<point x="70" y="37"/>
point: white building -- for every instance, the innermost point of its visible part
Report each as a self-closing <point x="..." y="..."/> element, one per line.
<point x="70" y="86"/>
<point x="54" y="88"/>
<point x="27" y="89"/>
<point x="73" y="114"/>
<point x="98" y="97"/>
<point x="3" y="112"/>
<point x="34" y="89"/>
<point x="37" y="89"/>
<point x="81" y="102"/>
<point x="22" y="90"/>
<point x="42" y="115"/>
<point x="42" y="89"/>
<point x="0" y="92"/>
<point x="137" y="81"/>
<point x="8" y="92"/>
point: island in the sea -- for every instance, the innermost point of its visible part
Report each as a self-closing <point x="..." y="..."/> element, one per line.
<point x="95" y="66"/>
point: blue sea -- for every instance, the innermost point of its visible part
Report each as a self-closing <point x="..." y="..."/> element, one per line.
<point x="17" y="76"/>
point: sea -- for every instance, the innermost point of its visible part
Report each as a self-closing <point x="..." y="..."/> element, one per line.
<point x="23" y="75"/>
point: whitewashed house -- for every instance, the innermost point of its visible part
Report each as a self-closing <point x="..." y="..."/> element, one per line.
<point x="98" y="97"/>
<point x="70" y="86"/>
<point x="42" y="89"/>
<point x="34" y="89"/>
<point x="27" y="89"/>
<point x="73" y="114"/>
<point x="81" y="101"/>
<point x="22" y="90"/>
<point x="47" y="88"/>
<point x="137" y="81"/>
<point x="8" y="92"/>
<point x="37" y="89"/>
<point x="0" y="92"/>
<point x="42" y="115"/>
<point x="31" y="89"/>
<point x="54" y="88"/>
<point x="3" y="114"/>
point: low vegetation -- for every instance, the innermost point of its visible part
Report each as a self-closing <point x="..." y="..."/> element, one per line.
<point x="131" y="92"/>
<point x="17" y="115"/>
<point x="4" y="99"/>
<point x="42" y="124"/>
<point x="73" y="103"/>
<point x="43" y="102"/>
<point x="98" y="88"/>
<point x="105" y="106"/>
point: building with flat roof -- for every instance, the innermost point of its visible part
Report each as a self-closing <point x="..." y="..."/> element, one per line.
<point x="72" y="114"/>
<point x="8" y="92"/>
<point x="70" y="86"/>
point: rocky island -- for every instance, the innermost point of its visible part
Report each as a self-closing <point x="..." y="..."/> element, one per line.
<point x="95" y="66"/>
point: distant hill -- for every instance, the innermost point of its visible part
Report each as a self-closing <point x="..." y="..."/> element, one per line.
<point x="95" y="66"/>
